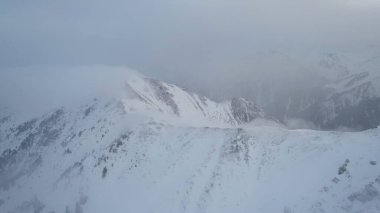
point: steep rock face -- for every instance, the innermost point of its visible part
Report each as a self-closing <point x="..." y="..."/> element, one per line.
<point x="244" y="111"/>
<point x="163" y="95"/>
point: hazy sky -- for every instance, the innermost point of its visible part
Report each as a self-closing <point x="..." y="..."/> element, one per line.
<point x="176" y="34"/>
<point x="198" y="42"/>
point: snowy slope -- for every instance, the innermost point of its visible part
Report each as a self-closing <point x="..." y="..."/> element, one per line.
<point x="146" y="153"/>
<point x="170" y="103"/>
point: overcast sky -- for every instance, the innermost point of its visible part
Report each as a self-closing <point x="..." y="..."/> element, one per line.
<point x="193" y="41"/>
<point x="173" y="34"/>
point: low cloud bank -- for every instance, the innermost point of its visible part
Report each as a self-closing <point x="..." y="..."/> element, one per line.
<point x="34" y="90"/>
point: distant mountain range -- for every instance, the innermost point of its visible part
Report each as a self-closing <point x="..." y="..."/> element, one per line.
<point x="332" y="91"/>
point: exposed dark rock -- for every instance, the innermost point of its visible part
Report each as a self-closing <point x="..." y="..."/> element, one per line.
<point x="244" y="111"/>
<point x="102" y="159"/>
<point x="238" y="147"/>
<point x="5" y="119"/>
<point x="78" y="167"/>
<point x="342" y="169"/>
<point x="104" y="172"/>
<point x="119" y="142"/>
<point x="67" y="151"/>
<point x="88" y="111"/>
<point x="28" y="141"/>
<point x="50" y="128"/>
<point x="26" y="126"/>
<point x="162" y="93"/>
<point x="8" y="162"/>
<point x="6" y="158"/>
<point x="356" y="78"/>
<point x="366" y="195"/>
<point x="335" y="180"/>
<point x="378" y="179"/>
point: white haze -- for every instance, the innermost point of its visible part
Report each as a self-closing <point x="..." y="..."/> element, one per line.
<point x="32" y="91"/>
<point x="177" y="37"/>
<point x="221" y="48"/>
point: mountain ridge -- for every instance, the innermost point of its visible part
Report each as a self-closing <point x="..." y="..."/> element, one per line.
<point x="103" y="156"/>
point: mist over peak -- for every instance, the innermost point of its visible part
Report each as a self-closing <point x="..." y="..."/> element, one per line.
<point x="191" y="106"/>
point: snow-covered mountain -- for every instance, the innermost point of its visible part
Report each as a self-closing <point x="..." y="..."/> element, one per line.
<point x="160" y="148"/>
<point x="330" y="90"/>
<point x="351" y="100"/>
<point x="168" y="102"/>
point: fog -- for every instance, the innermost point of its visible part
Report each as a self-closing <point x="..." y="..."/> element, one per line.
<point x="220" y="48"/>
<point x="171" y="37"/>
<point x="83" y="130"/>
<point x="32" y="91"/>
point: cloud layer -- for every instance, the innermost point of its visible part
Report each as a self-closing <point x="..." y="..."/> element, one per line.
<point x="168" y="35"/>
<point x="215" y="46"/>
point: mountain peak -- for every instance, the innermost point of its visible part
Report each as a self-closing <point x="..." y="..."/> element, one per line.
<point x="172" y="103"/>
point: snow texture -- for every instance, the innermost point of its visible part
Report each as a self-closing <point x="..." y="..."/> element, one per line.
<point x="163" y="149"/>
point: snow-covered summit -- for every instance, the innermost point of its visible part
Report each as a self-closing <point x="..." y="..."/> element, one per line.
<point x="171" y="103"/>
